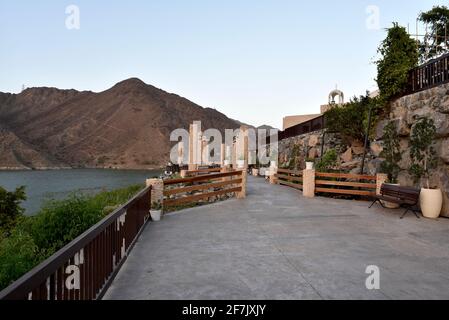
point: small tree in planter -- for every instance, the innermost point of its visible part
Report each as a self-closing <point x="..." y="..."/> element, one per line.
<point x="156" y="211"/>
<point x="391" y="152"/>
<point x="424" y="159"/>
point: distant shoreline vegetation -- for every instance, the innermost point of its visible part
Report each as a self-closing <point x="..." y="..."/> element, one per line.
<point x="77" y="168"/>
<point x="25" y="241"/>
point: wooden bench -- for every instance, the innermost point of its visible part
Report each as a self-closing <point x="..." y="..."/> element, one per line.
<point x="406" y="197"/>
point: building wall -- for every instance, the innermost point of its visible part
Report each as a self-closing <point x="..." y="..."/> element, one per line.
<point x="291" y="121"/>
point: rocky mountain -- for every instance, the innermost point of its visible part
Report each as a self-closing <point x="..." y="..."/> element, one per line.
<point x="126" y="126"/>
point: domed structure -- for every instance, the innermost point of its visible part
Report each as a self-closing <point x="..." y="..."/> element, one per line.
<point x="336" y="93"/>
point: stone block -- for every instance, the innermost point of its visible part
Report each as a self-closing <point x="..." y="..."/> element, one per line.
<point x="376" y="148"/>
<point x="347" y="156"/>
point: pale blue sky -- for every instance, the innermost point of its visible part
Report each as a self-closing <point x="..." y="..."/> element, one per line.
<point x="254" y="60"/>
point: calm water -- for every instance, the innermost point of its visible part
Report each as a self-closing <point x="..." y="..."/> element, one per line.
<point x="57" y="184"/>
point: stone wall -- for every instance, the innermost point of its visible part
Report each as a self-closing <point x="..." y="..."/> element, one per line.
<point x="294" y="151"/>
<point x="433" y="103"/>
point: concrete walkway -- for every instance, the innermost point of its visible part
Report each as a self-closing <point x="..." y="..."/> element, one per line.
<point x="276" y="244"/>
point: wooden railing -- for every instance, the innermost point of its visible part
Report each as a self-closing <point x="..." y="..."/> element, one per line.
<point x="347" y="184"/>
<point x="429" y="75"/>
<point x="290" y="178"/>
<point x="84" y="269"/>
<point x="189" y="173"/>
<point x="193" y="189"/>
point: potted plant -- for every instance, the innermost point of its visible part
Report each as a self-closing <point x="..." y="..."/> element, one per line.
<point x="309" y="163"/>
<point x="241" y="162"/>
<point x="392" y="154"/>
<point x="156" y="211"/>
<point x="423" y="156"/>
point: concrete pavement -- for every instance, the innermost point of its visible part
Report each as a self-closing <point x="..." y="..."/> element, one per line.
<point x="275" y="244"/>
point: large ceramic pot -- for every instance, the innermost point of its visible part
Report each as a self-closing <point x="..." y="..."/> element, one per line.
<point x="431" y="201"/>
<point x="255" y="172"/>
<point x="309" y="165"/>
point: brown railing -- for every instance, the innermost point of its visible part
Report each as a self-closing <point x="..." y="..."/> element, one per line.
<point x="312" y="125"/>
<point x="84" y="269"/>
<point x="429" y="75"/>
<point x="189" y="173"/>
<point x="346" y="184"/>
<point x="191" y="190"/>
<point x="290" y="178"/>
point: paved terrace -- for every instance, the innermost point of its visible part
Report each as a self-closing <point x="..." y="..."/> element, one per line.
<point x="276" y="244"/>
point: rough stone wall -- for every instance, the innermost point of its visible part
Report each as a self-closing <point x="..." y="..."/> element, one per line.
<point x="294" y="151"/>
<point x="433" y="103"/>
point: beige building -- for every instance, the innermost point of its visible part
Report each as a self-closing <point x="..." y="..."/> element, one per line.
<point x="291" y="121"/>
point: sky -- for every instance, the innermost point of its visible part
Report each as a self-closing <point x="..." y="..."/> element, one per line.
<point x="254" y="60"/>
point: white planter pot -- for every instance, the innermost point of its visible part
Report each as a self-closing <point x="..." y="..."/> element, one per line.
<point x="240" y="164"/>
<point x="156" y="215"/>
<point x="309" y="165"/>
<point x="391" y="205"/>
<point x="255" y="172"/>
<point x="431" y="201"/>
<point x="273" y="164"/>
<point x="227" y="162"/>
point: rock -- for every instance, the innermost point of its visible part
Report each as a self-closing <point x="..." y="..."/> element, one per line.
<point x="350" y="165"/>
<point x="442" y="124"/>
<point x="444" y="151"/>
<point x="376" y="148"/>
<point x="444" y="105"/>
<point x="347" y="156"/>
<point x="374" y="166"/>
<point x="313" y="153"/>
<point x="314" y="140"/>
<point x="358" y="150"/>
<point x="357" y="144"/>
<point x="380" y="129"/>
<point x="356" y="170"/>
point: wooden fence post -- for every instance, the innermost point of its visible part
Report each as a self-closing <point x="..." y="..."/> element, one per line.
<point x="381" y="178"/>
<point x="242" y="194"/>
<point x="273" y="172"/>
<point x="308" y="183"/>
<point x="157" y="190"/>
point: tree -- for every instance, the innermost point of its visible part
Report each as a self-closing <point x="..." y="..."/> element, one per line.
<point x="422" y="152"/>
<point x="435" y="43"/>
<point x="351" y="119"/>
<point x="391" y="152"/>
<point x="399" y="55"/>
<point x="10" y="209"/>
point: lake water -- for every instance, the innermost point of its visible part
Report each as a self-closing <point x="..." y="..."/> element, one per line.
<point x="58" y="184"/>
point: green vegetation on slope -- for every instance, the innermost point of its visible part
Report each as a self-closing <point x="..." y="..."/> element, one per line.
<point x="33" y="239"/>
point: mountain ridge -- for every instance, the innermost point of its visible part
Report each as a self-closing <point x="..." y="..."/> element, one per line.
<point x="126" y="126"/>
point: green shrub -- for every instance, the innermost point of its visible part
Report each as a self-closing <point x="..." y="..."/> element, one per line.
<point x="399" y="55"/>
<point x="328" y="161"/>
<point x="18" y="255"/>
<point x="10" y="209"/>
